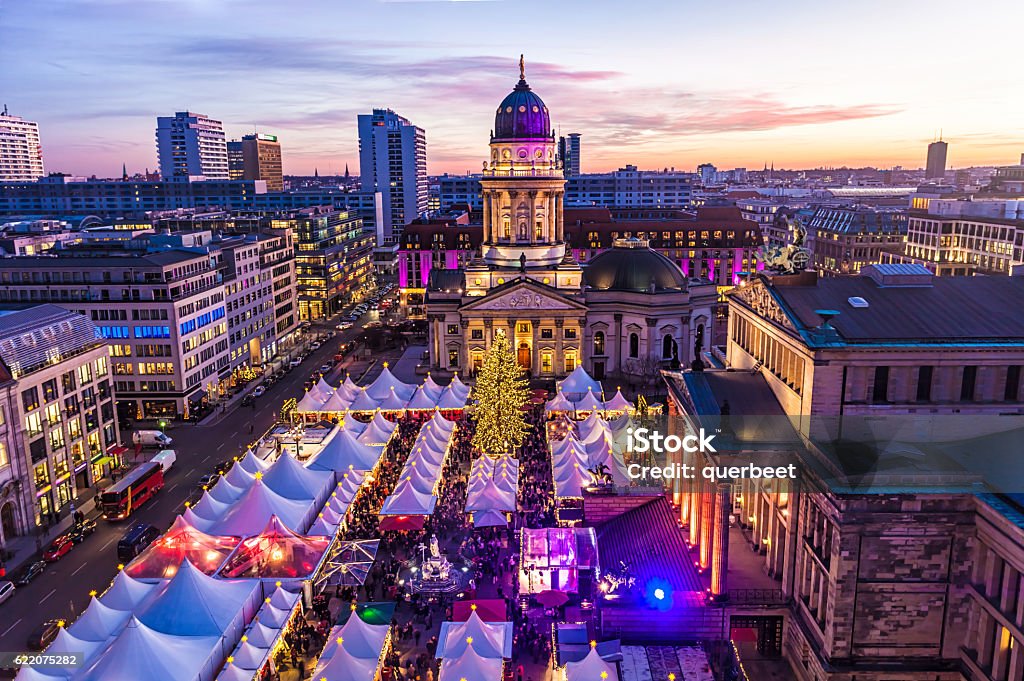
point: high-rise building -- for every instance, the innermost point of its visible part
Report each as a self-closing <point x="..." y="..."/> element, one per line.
<point x="190" y="144"/>
<point x="936" y="167"/>
<point x="21" y="157"/>
<point x="256" y="157"/>
<point x="569" y="152"/>
<point x="393" y="161"/>
<point x="708" y="174"/>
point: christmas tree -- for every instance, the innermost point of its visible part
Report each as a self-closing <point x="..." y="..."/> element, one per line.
<point x="501" y="392"/>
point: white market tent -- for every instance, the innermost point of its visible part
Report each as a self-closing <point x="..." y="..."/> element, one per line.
<point x="406" y="500"/>
<point x="343" y="453"/>
<point x="140" y="652"/>
<point x="292" y="480"/>
<point x="195" y="604"/>
<point x="591" y="667"/>
<point x="487" y="639"/>
<point x="386" y="382"/>
<point x="578" y="383"/>
<point x="618" y="403"/>
<point x="99" y="621"/>
<point x="250" y="514"/>
<point x="471" y="666"/>
<point x="127" y="593"/>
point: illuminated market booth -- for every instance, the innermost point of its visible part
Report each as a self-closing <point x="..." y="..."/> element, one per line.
<point x="552" y="559"/>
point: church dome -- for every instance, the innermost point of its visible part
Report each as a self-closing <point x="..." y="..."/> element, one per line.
<point x="631" y="265"/>
<point x="522" y="114"/>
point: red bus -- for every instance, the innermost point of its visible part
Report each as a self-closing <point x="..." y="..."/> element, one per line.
<point x="131" y="491"/>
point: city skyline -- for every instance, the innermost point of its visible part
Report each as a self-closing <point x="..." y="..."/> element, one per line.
<point x="777" y="91"/>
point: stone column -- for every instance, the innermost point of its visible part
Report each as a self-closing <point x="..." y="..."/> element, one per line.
<point x="789" y="558"/>
<point x="559" y="349"/>
<point x="653" y="351"/>
<point x="487" y="216"/>
<point x="685" y="499"/>
<point x="549" y="218"/>
<point x="534" y="350"/>
<point x="559" y="224"/>
<point x="720" y="557"/>
<point x="707" y="525"/>
<point x="618" y="342"/>
<point x="532" y="197"/>
<point x="695" y="509"/>
<point x="464" y="347"/>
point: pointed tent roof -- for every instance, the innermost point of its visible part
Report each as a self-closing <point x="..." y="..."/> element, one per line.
<point x="589" y="668"/>
<point x="558" y="403"/>
<point x="249" y="515"/>
<point x="311" y="401"/>
<point x="224" y="492"/>
<point x="363" y="402"/>
<point x="99" y="621"/>
<point x="261" y="635"/>
<point x="383" y="423"/>
<point x="142" y="653"/>
<point x="195" y="604"/>
<point x="343" y="666"/>
<point x="361" y="639"/>
<point x="283" y="599"/>
<point x="345" y="452"/>
<point x="406" y="500"/>
<point x="66" y="642"/>
<point x="353" y="425"/>
<point x="450" y="399"/>
<point x="349" y="484"/>
<point x="248" y="656"/>
<point x="238" y="476"/>
<point x="181" y="542"/>
<point x="417" y="477"/>
<point x="458" y="387"/>
<point x="422" y="400"/>
<point x="292" y="480"/>
<point x="126" y="593"/>
<point x="322" y="528"/>
<point x="349" y="383"/>
<point x="618" y="402"/>
<point x="392" y="402"/>
<point x="336" y="403"/>
<point x="383" y="384"/>
<point x="441" y="422"/>
<point x="593" y="422"/>
<point x="490" y="497"/>
<point x="472" y="667"/>
<point x="276" y="552"/>
<point x="208" y="507"/>
<point x="487" y="639"/>
<point x="323" y="387"/>
<point x="374" y="434"/>
<point x="579" y="382"/>
<point x="489" y="519"/>
<point x="231" y="672"/>
<point x="252" y="463"/>
<point x="431" y="387"/>
<point x="589" y="402"/>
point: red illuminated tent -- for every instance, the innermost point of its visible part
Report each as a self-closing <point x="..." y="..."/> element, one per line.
<point x="276" y="552"/>
<point x="182" y="541"/>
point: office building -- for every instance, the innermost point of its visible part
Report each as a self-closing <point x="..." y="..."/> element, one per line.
<point x="843" y="240"/>
<point x="21" y="156"/>
<point x="333" y="259"/>
<point x="161" y="313"/>
<point x="569" y="153"/>
<point x="191" y="144"/>
<point x="935" y="168"/>
<point x="256" y="157"/>
<point x="58" y="425"/>
<point x="959" y="236"/>
<point x="393" y="162"/>
<point x="708" y="174"/>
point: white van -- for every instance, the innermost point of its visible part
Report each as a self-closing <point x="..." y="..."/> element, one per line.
<point x="166" y="458"/>
<point x="151" y="438"/>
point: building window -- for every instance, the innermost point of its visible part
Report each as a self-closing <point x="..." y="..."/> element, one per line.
<point x="453" y="329"/>
<point x="968" y="383"/>
<point x="599" y="343"/>
<point x="50" y="390"/>
<point x="880" y="390"/>
<point x="668" y="347"/>
<point x="570" y="334"/>
<point x="524" y="328"/>
<point x="570" y="362"/>
<point x="634" y="345"/>
<point x="545" y="362"/>
<point x="1012" y="390"/>
<point x="453" y="358"/>
<point x="477" y="334"/>
<point x="924" y="384"/>
<point x="30" y="399"/>
<point x="547" y="334"/>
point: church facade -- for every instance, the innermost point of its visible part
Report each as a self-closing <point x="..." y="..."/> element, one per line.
<point x="629" y="312"/>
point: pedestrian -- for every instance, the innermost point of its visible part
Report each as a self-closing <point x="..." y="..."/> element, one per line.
<point x="302" y="669"/>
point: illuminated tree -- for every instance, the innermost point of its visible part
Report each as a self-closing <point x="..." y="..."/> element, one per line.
<point x="501" y="392"/>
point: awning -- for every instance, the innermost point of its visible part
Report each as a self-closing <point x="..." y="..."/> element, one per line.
<point x="198" y="397"/>
<point x="402" y="522"/>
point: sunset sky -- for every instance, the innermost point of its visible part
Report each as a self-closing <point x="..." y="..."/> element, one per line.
<point x="656" y="84"/>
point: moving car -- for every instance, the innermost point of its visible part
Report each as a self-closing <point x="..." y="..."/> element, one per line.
<point x="135" y="540"/>
<point x="324" y="368"/>
<point x="82" y="530"/>
<point x="6" y="591"/>
<point x="166" y="458"/>
<point x="151" y="438"/>
<point x="60" y="547"/>
<point x="43" y="635"/>
<point x="31" y="571"/>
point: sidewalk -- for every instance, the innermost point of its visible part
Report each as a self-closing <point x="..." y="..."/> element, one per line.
<point x="27" y="548"/>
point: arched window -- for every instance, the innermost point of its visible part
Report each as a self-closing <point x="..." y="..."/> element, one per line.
<point x="634" y="345"/>
<point x="668" y="347"/>
<point x="599" y="343"/>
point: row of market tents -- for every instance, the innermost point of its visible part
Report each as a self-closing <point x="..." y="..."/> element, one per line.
<point x="415" y="494"/>
<point x="491" y="492"/>
<point x="592" y="444"/>
<point x="386" y="393"/>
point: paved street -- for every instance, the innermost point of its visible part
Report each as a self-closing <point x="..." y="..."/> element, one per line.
<point x="63" y="590"/>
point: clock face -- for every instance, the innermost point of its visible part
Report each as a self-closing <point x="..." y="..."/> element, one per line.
<point x="506" y="154"/>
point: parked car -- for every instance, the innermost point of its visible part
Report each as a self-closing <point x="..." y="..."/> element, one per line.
<point x="223" y="467"/>
<point x="6" y="591"/>
<point x="344" y="326"/>
<point x="31" y="571"/>
<point x="324" y="368"/>
<point x="208" y="480"/>
<point x="43" y="635"/>
<point x="294" y="362"/>
<point x="259" y="391"/>
<point x="60" y="547"/>
<point x="82" y="530"/>
<point x="135" y="540"/>
<point x="248" y="399"/>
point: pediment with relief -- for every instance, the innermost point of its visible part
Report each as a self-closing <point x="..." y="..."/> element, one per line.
<point x="523" y="298"/>
<point x="759" y="299"/>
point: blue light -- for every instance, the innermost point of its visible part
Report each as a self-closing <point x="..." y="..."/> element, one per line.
<point x="658" y="594"/>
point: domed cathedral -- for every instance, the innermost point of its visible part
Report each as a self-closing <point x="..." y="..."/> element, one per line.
<point x="630" y="311"/>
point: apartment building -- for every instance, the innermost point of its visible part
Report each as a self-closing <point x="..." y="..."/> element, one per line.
<point x="58" y="423"/>
<point x="842" y="240"/>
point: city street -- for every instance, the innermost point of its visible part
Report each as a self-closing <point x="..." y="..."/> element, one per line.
<point x="63" y="590"/>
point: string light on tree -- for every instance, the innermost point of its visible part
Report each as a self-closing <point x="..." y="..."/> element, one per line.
<point x="501" y="392"/>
